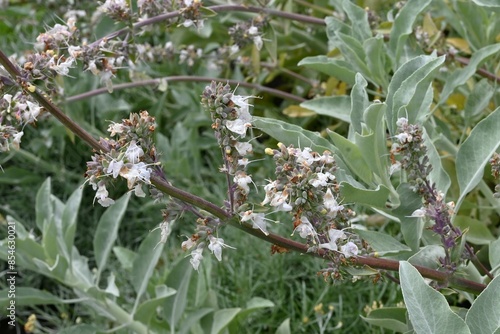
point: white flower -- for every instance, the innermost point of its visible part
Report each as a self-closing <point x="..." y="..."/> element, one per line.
<point x="138" y="190"/>
<point x="115" y="167"/>
<point x="234" y="48"/>
<point x="334" y="236"/>
<point x="187" y="244"/>
<point x="115" y="128"/>
<point x="305" y="228"/>
<point x="165" y="230"/>
<point x="58" y="33"/>
<point x="92" y="67"/>
<point x="257" y="219"/>
<point x="34" y="111"/>
<point x="216" y="245"/>
<point x="404" y="137"/>
<point x="322" y="179"/>
<point x="8" y="98"/>
<point x="196" y="257"/>
<point x="243" y="162"/>
<point x="102" y="194"/>
<point x="419" y="213"/>
<point x="305" y="156"/>
<point x="139" y="171"/>
<point x="331" y="204"/>
<point x="402" y="122"/>
<point x="17" y="140"/>
<point x="242" y="180"/>
<point x="113" y="5"/>
<point x="279" y="201"/>
<point x="395" y="168"/>
<point x="134" y="152"/>
<point x="253" y="30"/>
<point x="61" y="68"/>
<point x="349" y="249"/>
<point x="257" y="41"/>
<point x="270" y="190"/>
<point x="238" y="126"/>
<point x="243" y="148"/>
<point x="326" y="158"/>
<point x="244" y="106"/>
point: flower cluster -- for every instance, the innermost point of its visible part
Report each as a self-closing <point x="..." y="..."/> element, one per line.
<point x="306" y="186"/>
<point x="204" y="237"/>
<point x="231" y="119"/>
<point x="411" y="149"/>
<point x="118" y="10"/>
<point x="129" y="156"/>
<point x="149" y="8"/>
<point x="191" y="13"/>
<point x="15" y="112"/>
<point x="244" y="33"/>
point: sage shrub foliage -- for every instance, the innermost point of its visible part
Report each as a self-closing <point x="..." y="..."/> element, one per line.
<point x="361" y="133"/>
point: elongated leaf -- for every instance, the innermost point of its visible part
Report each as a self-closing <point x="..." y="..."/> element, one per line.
<point x="222" y="318"/>
<point x="292" y="134"/>
<point x="80" y="275"/>
<point x="359" y="102"/>
<point x="193" y="318"/>
<point x="353" y="52"/>
<point x="43" y="204"/>
<point x="437" y="175"/>
<point x="28" y="296"/>
<point x="411" y="227"/>
<point x="418" y="296"/>
<point x="69" y="220"/>
<point x="487" y="3"/>
<point x="178" y="279"/>
<point x="478" y="99"/>
<point x="382" y="243"/>
<point x="376" y="198"/>
<point x="145" y="262"/>
<point x="494" y="254"/>
<point x="253" y="305"/>
<point x="372" y="143"/>
<point x="107" y="230"/>
<point x="352" y="156"/>
<point x="49" y="240"/>
<point x="333" y="27"/>
<point x="125" y="256"/>
<point x="475" y="152"/>
<point x="336" y="68"/>
<point x="334" y="106"/>
<point x="477" y="231"/>
<point x="147" y="309"/>
<point x="392" y="318"/>
<point x="404" y="84"/>
<point x="403" y="27"/>
<point x="407" y="99"/>
<point x="359" y="20"/>
<point x="376" y="60"/>
<point x="484" y="315"/>
<point x="459" y="77"/>
<point x="284" y="328"/>
<point x="428" y="256"/>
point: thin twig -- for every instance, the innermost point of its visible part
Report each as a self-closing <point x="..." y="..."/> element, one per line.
<point x="186" y="78"/>
<point x="217" y="9"/>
